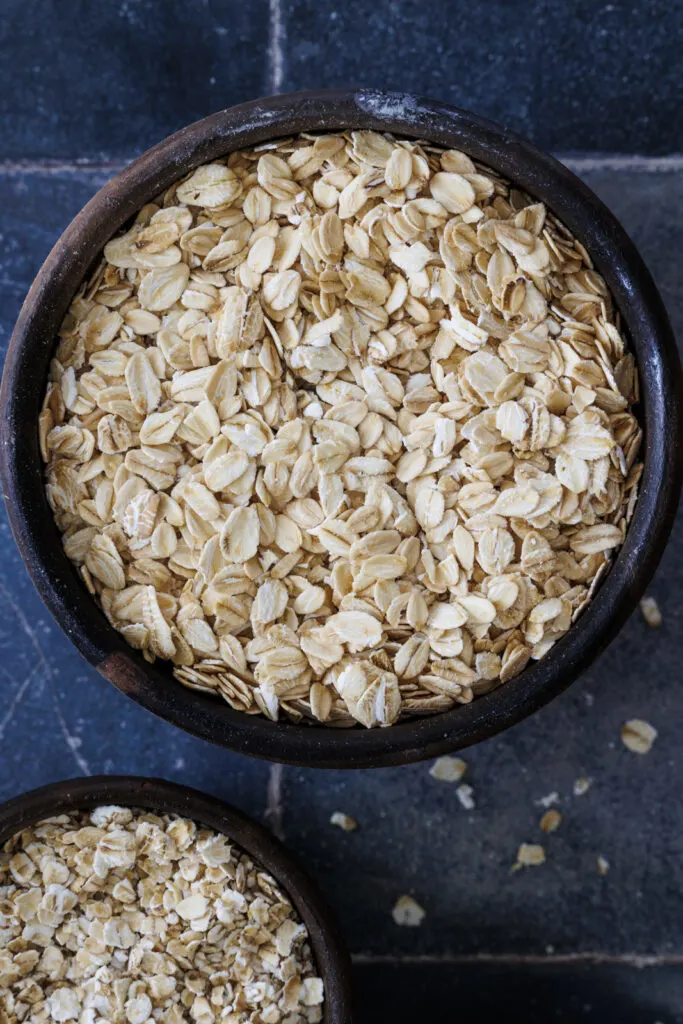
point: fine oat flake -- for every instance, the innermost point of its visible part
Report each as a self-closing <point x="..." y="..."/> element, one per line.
<point x="129" y="916"/>
<point x="343" y="428"/>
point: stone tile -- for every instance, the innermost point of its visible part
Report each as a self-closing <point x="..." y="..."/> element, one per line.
<point x="650" y="206"/>
<point x="111" y="79"/>
<point x="583" y="76"/>
<point x="36" y="208"/>
<point x="520" y="993"/>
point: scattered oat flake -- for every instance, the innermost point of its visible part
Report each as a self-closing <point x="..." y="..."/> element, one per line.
<point x="529" y="855"/>
<point x="466" y="797"/>
<point x="638" y="735"/>
<point x="602" y="865"/>
<point x="407" y="912"/>
<point x="551" y="821"/>
<point x="581" y="785"/>
<point x="651" y="612"/>
<point x="344" y="821"/>
<point x="448" y="769"/>
<point x="549" y="799"/>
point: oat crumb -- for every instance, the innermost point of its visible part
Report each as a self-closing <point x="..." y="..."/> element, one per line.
<point x="344" y="821"/>
<point x="549" y="799"/>
<point x="529" y="855"/>
<point x="603" y="865"/>
<point x="638" y="735"/>
<point x="550" y="821"/>
<point x="448" y="769"/>
<point x="582" y="785"/>
<point x="465" y="796"/>
<point x="407" y="912"/>
<point x="651" y="612"/>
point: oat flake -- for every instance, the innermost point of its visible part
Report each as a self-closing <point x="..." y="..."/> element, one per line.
<point x="407" y="912"/>
<point x="638" y="735"/>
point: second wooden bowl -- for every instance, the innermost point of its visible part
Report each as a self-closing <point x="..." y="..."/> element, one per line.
<point x="163" y="797"/>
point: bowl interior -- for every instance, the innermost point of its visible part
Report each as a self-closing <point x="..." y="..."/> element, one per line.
<point x="26" y="371"/>
<point x="166" y="797"/>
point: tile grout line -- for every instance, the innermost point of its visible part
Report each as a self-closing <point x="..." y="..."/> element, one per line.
<point x="622" y="162"/>
<point x="576" y="162"/>
<point x="635" y="960"/>
<point x="46" y="166"/>
<point x="274" y="801"/>
<point x="276" y="38"/>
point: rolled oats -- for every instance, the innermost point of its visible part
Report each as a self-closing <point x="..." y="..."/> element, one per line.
<point x="638" y="735"/>
<point x="602" y="864"/>
<point x="551" y="820"/>
<point x="407" y="912"/>
<point x="448" y="769"/>
<point x="651" y="612"/>
<point x="529" y="855"/>
<point x="465" y="795"/>
<point x="344" y="821"/>
<point x="130" y="916"/>
<point x="549" y="799"/>
<point x="343" y="428"/>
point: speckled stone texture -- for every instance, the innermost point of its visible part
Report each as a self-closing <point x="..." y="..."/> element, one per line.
<point x="112" y="78"/>
<point x="85" y="86"/>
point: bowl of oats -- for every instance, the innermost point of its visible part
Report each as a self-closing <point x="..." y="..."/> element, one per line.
<point x="138" y="899"/>
<point x="341" y="429"/>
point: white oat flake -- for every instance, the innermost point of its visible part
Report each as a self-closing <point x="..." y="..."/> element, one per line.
<point x="651" y="612"/>
<point x="407" y="912"/>
<point x="602" y="864"/>
<point x="638" y="735"/>
<point x="465" y="795"/>
<point x="448" y="769"/>
<point x="529" y="855"/>
<point x="344" y="821"/>
<point x="549" y="799"/>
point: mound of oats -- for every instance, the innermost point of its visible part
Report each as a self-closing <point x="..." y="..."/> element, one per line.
<point x="127" y="917"/>
<point x="342" y="427"/>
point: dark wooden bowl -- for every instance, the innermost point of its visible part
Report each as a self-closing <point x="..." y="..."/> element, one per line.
<point x="329" y="952"/>
<point x="25" y="375"/>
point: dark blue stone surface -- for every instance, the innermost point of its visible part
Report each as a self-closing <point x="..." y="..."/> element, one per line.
<point x="582" y="75"/>
<point x="96" y="83"/>
<point x="521" y="993"/>
<point x="111" y="78"/>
